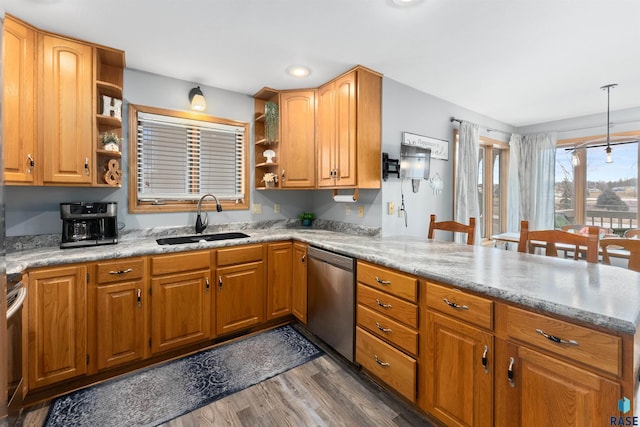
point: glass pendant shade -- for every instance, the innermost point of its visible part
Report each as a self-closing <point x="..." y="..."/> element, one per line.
<point x="196" y="97"/>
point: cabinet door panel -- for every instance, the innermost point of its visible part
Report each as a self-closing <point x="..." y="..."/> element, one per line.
<point x="120" y="323"/>
<point x="299" y="304"/>
<point x="57" y="325"/>
<point x="345" y="105"/>
<point x="297" y="143"/>
<point x="18" y="121"/>
<point x="326" y="135"/>
<point x="66" y="116"/>
<point x="240" y="297"/>
<point x="279" y="280"/>
<point x="180" y="310"/>
<point x="555" y="393"/>
<point x="461" y="390"/>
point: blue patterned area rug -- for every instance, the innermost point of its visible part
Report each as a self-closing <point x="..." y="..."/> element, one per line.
<point x="161" y="393"/>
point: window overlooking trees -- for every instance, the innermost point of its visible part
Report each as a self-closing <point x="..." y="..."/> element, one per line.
<point x="596" y="192"/>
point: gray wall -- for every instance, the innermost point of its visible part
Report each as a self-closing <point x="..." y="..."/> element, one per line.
<point x="405" y="109"/>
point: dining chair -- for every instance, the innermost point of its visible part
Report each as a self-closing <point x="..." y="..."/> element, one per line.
<point x="530" y="239"/>
<point x="633" y="233"/>
<point x="630" y="245"/>
<point x="453" y="226"/>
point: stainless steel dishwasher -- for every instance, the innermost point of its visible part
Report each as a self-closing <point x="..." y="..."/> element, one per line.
<point x="331" y="300"/>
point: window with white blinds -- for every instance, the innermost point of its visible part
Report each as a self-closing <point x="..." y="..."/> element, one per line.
<point x="179" y="159"/>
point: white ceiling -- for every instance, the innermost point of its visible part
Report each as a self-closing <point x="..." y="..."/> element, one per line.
<point x="518" y="61"/>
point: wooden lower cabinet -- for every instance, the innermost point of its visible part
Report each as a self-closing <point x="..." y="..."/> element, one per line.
<point x="181" y="302"/>
<point x="459" y="368"/>
<point x="542" y="390"/>
<point x="56" y="325"/>
<point x="240" y="287"/>
<point x="299" y="282"/>
<point x="122" y="304"/>
<point x="279" y="275"/>
<point x="120" y="323"/>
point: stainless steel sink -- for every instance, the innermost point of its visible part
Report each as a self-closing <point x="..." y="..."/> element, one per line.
<point x="195" y="238"/>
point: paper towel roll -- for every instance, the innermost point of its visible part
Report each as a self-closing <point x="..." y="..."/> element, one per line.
<point x="343" y="198"/>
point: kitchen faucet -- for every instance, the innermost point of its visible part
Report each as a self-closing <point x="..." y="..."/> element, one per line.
<point x="200" y="225"/>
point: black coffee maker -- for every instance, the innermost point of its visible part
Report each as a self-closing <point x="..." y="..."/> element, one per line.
<point x="88" y="224"/>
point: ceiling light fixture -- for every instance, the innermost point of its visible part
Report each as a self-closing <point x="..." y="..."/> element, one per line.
<point x="298" y="71"/>
<point x="405" y="2"/>
<point x="608" y="149"/>
<point x="196" y="98"/>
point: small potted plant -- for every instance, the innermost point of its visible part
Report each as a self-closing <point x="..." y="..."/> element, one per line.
<point x="270" y="179"/>
<point x="110" y="141"/>
<point x="306" y="218"/>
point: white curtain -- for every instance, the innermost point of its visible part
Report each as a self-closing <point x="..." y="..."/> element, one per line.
<point x="467" y="178"/>
<point x="531" y="188"/>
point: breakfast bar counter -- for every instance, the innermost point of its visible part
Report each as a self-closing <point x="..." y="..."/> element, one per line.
<point x="595" y="294"/>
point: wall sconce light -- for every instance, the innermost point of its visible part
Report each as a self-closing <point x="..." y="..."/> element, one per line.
<point x="196" y="98"/>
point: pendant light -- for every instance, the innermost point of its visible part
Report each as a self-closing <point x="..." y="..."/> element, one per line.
<point x="608" y="149"/>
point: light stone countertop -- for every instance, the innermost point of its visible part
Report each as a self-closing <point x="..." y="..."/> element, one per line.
<point x="597" y="294"/>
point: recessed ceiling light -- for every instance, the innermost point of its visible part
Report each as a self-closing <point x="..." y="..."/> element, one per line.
<point x="406" y="2"/>
<point x="298" y="71"/>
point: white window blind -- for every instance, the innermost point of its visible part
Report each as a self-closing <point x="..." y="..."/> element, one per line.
<point x="182" y="159"/>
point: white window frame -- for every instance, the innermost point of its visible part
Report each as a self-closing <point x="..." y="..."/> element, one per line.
<point x="238" y="199"/>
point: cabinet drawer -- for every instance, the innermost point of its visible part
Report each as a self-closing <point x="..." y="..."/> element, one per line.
<point x="178" y="263"/>
<point x="461" y="305"/>
<point x="239" y="255"/>
<point x="119" y="270"/>
<point x="390" y="365"/>
<point x="398" y="284"/>
<point x="593" y="348"/>
<point x="395" y="308"/>
<point x="388" y="329"/>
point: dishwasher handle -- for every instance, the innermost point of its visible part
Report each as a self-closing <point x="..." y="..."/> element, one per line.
<point x="340" y="261"/>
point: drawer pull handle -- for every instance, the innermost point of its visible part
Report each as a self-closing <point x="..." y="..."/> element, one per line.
<point x="512" y="383"/>
<point x="454" y="305"/>
<point x="119" y="272"/>
<point x="139" y="298"/>
<point x="381" y="304"/>
<point x="484" y="359"/>
<point x="556" y="339"/>
<point x="385" y="330"/>
<point x="382" y="282"/>
<point x="380" y="362"/>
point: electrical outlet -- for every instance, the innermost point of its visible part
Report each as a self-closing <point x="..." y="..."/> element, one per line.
<point x="392" y="208"/>
<point x="257" y="209"/>
<point x="360" y="211"/>
<point x="347" y="210"/>
<point x="276" y="208"/>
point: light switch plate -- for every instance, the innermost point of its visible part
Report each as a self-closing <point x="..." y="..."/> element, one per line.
<point x="276" y="208"/>
<point x="347" y="210"/>
<point x="257" y="209"/>
<point x="392" y="208"/>
<point x="361" y="211"/>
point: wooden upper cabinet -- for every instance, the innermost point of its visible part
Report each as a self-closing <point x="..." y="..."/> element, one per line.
<point x="297" y="139"/>
<point x="349" y="130"/>
<point x="67" y="110"/>
<point x="18" y="100"/>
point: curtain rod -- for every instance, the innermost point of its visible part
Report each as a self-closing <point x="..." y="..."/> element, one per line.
<point x="613" y="124"/>
<point x="453" y="119"/>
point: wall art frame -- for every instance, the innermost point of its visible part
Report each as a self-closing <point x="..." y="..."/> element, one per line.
<point x="439" y="147"/>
